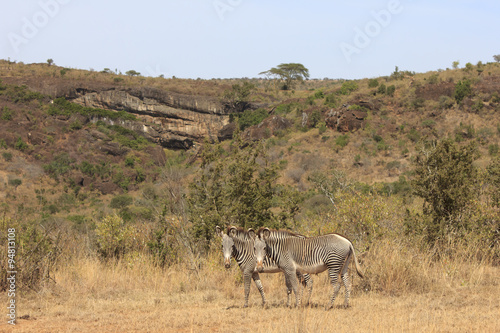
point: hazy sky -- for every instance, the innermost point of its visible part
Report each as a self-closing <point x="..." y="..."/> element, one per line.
<point x="240" y="38"/>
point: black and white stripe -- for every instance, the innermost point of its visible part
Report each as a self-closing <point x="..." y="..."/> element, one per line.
<point x="239" y="244"/>
<point x="296" y="253"/>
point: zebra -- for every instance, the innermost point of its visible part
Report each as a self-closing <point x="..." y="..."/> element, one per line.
<point x="296" y="253"/>
<point x="238" y="243"/>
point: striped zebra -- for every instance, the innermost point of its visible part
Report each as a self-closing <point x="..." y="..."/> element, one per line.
<point x="239" y="244"/>
<point x="296" y="253"/>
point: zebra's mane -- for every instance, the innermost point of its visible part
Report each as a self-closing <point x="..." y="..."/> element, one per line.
<point x="282" y="232"/>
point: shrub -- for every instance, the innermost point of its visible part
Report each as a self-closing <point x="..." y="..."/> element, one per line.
<point x="342" y="140"/>
<point x="63" y="107"/>
<point x="114" y="238"/>
<point x="249" y="118"/>
<point x="348" y="87"/>
<point x="7" y="156"/>
<point x="6" y="114"/>
<point x="493" y="149"/>
<point x="121" y="201"/>
<point x="372" y="83"/>
<point x="15" y="182"/>
<point x="429" y="123"/>
<point x="37" y="252"/>
<point x="319" y="94"/>
<point x="446" y="102"/>
<point x="382" y="89"/>
<point x="75" y="125"/>
<point x="446" y="178"/>
<point x="462" y="89"/>
<point x="390" y="90"/>
<point x="20" y="144"/>
<point x="60" y="165"/>
<point x="331" y="100"/>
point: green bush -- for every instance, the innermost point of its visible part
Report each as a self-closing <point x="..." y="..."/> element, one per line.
<point x="7" y="156"/>
<point x="6" y="114"/>
<point x="20" y="94"/>
<point x="446" y="178"/>
<point x="462" y="89"/>
<point x="249" y="118"/>
<point x="382" y="89"/>
<point x="20" y="144"/>
<point x="348" y="87"/>
<point x="390" y="90"/>
<point x="493" y="149"/>
<point x="114" y="238"/>
<point x="331" y="100"/>
<point x="319" y="94"/>
<point x="372" y="83"/>
<point x="429" y="123"/>
<point x="63" y="107"/>
<point x="15" y="182"/>
<point x="342" y="140"/>
<point x="60" y="165"/>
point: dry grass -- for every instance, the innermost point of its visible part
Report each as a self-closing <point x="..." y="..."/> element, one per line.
<point x="134" y="296"/>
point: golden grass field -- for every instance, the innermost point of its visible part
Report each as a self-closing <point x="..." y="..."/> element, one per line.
<point x="134" y="296"/>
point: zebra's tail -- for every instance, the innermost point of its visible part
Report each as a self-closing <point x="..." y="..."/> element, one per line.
<point x="358" y="267"/>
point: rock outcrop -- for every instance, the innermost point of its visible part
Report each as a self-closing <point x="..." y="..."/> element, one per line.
<point x="171" y="120"/>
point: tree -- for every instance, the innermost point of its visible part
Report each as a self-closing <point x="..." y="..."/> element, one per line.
<point x="50" y="62"/>
<point x="287" y="74"/>
<point x="446" y="178"/>
<point x="237" y="99"/>
<point x="497" y="57"/>
<point x="238" y="189"/>
<point x="132" y="73"/>
<point x="455" y="64"/>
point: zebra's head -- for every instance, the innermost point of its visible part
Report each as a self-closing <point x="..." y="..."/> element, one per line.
<point x="260" y="248"/>
<point x="227" y="246"/>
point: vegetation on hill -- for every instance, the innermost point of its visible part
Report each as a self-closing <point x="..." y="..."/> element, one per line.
<point x="420" y="168"/>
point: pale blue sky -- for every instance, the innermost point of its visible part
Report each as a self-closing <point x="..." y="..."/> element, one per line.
<point x="240" y="38"/>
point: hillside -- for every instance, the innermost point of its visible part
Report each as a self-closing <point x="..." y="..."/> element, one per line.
<point x="116" y="141"/>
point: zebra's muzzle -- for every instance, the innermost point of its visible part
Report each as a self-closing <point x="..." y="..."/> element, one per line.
<point x="260" y="266"/>
<point x="227" y="263"/>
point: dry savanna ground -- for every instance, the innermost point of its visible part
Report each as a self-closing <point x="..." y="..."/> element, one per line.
<point x="133" y="296"/>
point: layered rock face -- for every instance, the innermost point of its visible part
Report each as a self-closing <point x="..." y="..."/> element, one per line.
<point x="172" y="120"/>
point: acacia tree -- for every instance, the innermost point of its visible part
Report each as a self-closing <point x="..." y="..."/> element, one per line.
<point x="288" y="74"/>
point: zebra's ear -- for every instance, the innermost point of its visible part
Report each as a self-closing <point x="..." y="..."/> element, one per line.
<point x="266" y="233"/>
<point x="232" y="232"/>
<point x="218" y="231"/>
<point x="251" y="233"/>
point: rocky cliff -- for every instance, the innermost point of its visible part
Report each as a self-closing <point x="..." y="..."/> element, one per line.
<point x="170" y="119"/>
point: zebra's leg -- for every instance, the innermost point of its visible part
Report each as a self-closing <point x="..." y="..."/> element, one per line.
<point x="288" y="290"/>
<point x="308" y="282"/>
<point x="344" y="274"/>
<point x="291" y="275"/>
<point x="334" y="275"/>
<point x="247" y="277"/>
<point x="348" y="287"/>
<point x="302" y="282"/>
<point x="256" y="279"/>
